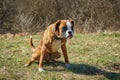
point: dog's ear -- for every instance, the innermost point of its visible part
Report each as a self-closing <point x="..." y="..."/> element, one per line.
<point x="57" y="24"/>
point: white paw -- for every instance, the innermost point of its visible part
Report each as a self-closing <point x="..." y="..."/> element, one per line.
<point x="25" y="65"/>
<point x="67" y="65"/>
<point x="30" y="36"/>
<point x="41" y="70"/>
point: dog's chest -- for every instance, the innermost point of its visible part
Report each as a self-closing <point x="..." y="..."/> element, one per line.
<point x="56" y="45"/>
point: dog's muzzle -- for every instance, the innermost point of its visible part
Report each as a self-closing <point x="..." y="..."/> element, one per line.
<point x="68" y="34"/>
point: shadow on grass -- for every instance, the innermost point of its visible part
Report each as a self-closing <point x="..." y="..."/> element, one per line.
<point x="91" y="70"/>
<point x="86" y="70"/>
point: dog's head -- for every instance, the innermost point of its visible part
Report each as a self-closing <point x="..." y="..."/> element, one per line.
<point x="64" y="28"/>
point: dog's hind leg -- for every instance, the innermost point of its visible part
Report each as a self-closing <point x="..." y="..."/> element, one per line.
<point x="52" y="56"/>
<point x="33" y="58"/>
<point x="29" y="63"/>
<point x="55" y="56"/>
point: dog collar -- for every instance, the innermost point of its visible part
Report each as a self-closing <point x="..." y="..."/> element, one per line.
<point x="57" y="38"/>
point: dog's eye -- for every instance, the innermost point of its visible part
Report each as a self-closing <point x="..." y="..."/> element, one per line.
<point x="64" y="28"/>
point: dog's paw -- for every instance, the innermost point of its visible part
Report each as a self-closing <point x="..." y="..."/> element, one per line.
<point x="30" y="36"/>
<point x="68" y="65"/>
<point x="41" y="70"/>
<point x="26" y="65"/>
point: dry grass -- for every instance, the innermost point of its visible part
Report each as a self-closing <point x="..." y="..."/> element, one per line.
<point x="33" y="16"/>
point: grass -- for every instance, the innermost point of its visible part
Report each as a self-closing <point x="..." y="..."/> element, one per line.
<point x="92" y="56"/>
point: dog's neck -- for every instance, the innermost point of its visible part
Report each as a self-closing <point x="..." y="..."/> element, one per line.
<point x="57" y="38"/>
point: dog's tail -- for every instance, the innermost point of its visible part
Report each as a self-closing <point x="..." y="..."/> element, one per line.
<point x="31" y="44"/>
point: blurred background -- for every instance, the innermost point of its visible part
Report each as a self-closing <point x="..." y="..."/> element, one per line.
<point x="18" y="16"/>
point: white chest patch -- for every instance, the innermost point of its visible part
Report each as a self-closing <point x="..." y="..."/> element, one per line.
<point x="56" y="45"/>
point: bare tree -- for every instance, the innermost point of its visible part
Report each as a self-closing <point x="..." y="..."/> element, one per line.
<point x="36" y="15"/>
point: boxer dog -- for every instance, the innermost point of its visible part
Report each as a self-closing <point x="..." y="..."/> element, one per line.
<point x="54" y="37"/>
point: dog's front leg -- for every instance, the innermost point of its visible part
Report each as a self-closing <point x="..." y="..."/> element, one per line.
<point x="64" y="51"/>
<point x="43" y="50"/>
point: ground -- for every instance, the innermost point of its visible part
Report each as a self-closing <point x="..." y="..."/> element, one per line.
<point x="92" y="56"/>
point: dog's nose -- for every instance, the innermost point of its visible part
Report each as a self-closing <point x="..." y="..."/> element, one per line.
<point x="70" y="32"/>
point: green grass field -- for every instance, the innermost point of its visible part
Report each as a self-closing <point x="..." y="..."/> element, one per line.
<point x="92" y="57"/>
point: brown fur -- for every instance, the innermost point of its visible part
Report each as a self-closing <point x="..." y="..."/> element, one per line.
<point x="48" y="46"/>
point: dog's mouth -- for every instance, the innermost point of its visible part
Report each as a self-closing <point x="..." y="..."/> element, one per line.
<point x="70" y="36"/>
<point x="67" y="36"/>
